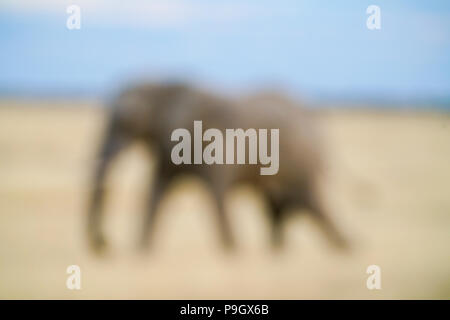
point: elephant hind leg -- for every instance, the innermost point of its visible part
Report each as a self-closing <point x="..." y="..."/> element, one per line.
<point x="326" y="224"/>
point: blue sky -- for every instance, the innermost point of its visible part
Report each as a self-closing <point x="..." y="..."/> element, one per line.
<point x="314" y="48"/>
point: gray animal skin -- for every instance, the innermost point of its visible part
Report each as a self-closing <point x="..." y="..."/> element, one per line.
<point x="149" y="113"/>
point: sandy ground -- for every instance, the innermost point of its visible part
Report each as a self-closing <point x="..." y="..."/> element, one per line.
<point x="388" y="185"/>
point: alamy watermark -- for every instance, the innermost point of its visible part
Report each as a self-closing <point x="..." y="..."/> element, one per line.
<point x="374" y="20"/>
<point x="374" y="280"/>
<point x="213" y="153"/>
<point x="73" y="282"/>
<point x="74" y="20"/>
